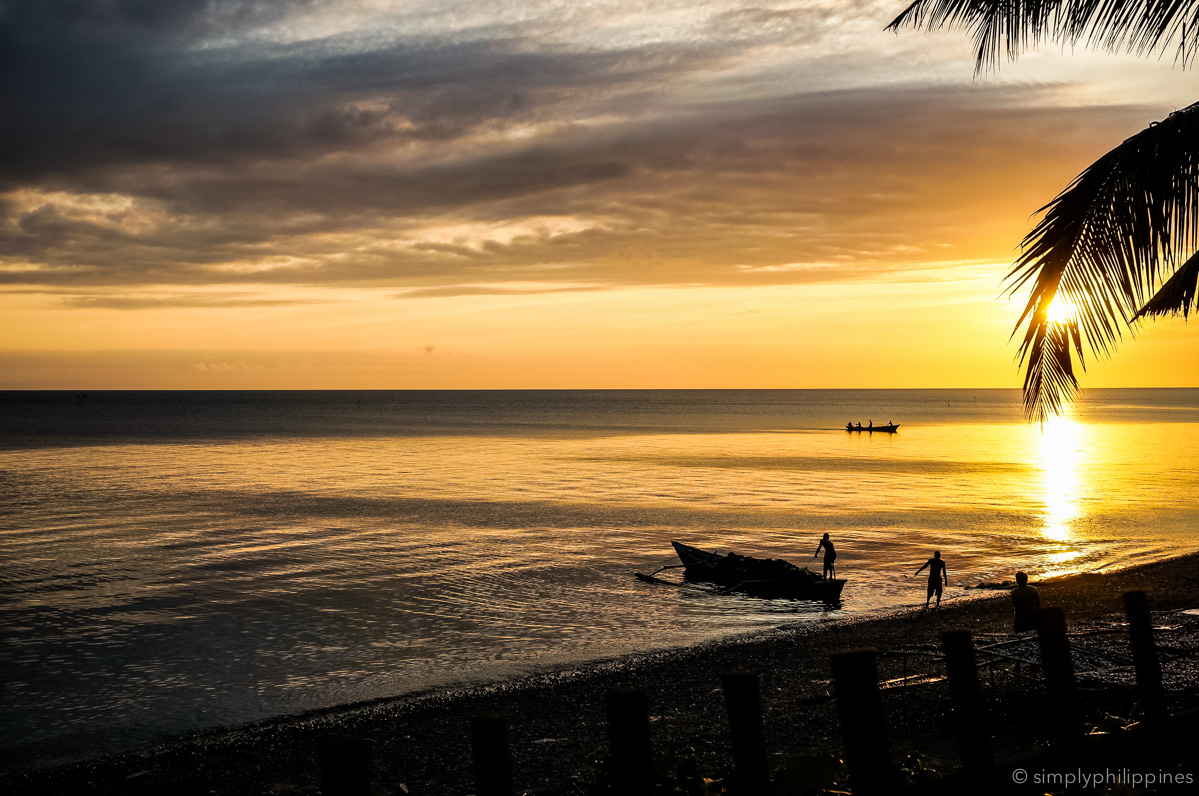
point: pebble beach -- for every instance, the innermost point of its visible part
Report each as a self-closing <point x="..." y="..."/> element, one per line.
<point x="420" y="744"/>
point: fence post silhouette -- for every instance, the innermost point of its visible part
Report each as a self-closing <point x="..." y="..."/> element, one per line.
<point x="345" y="768"/>
<point x="194" y="786"/>
<point x="492" y="759"/>
<point x="1144" y="655"/>
<point x="629" y="742"/>
<point x="743" y="701"/>
<point x="970" y="721"/>
<point x="1058" y="668"/>
<point x="863" y="725"/>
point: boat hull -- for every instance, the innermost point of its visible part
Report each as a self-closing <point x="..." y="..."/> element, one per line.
<point x="753" y="576"/>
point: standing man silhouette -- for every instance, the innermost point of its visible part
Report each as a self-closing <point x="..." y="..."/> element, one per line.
<point x="937" y="577"/>
<point x="830" y="556"/>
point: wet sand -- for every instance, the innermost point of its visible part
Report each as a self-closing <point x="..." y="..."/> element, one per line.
<point x="420" y="744"/>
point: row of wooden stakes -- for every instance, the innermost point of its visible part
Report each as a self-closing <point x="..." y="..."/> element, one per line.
<point x="345" y="764"/>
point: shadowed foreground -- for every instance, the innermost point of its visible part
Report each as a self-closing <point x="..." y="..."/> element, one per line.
<point x="557" y="727"/>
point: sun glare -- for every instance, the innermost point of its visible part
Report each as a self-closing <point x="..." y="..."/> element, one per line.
<point x="1061" y="310"/>
<point x="1061" y="458"/>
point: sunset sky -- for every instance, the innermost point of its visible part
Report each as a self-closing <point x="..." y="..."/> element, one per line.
<point x="462" y="194"/>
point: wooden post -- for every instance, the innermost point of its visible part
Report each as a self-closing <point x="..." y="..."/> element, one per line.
<point x="1058" y="669"/>
<point x="970" y="721"/>
<point x="863" y="726"/>
<point x="1144" y="655"/>
<point x="492" y="760"/>
<point x="629" y="742"/>
<point x="743" y="701"/>
<point x="195" y="786"/>
<point x="345" y="768"/>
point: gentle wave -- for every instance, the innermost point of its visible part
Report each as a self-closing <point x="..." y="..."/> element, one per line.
<point x="294" y="551"/>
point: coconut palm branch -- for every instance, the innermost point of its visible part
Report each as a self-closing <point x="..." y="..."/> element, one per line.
<point x="1122" y="236"/>
<point x="1010" y="27"/>
<point x="1114" y="242"/>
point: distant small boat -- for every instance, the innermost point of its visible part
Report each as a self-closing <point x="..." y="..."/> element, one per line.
<point x="890" y="428"/>
<point x="757" y="577"/>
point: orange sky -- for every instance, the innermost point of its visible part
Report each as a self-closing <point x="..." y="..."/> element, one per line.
<point x="453" y="196"/>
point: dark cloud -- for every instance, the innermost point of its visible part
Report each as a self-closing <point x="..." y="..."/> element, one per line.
<point x="728" y="192"/>
<point x="182" y="18"/>
<point x="185" y="144"/>
<point x="106" y="85"/>
<point x="93" y="81"/>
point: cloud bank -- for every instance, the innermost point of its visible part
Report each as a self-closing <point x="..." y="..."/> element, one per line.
<point x="463" y="148"/>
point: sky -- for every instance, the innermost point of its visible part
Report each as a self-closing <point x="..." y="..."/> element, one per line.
<point x="326" y="194"/>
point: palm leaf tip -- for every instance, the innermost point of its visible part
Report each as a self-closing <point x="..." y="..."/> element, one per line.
<point x="910" y="16"/>
<point x="1176" y="296"/>
<point x="1049" y="381"/>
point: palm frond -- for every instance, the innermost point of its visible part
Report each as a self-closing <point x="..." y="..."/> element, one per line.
<point x="1177" y="296"/>
<point x="1010" y="27"/>
<point x="1106" y="242"/>
<point x="1049" y="382"/>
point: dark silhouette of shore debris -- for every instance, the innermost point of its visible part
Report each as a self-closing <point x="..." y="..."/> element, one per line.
<point x="938" y="577"/>
<point x="830" y="557"/>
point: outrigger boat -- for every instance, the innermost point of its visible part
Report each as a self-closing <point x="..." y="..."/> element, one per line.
<point x="890" y="428"/>
<point x="757" y="577"/>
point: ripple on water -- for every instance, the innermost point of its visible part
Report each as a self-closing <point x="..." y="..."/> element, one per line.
<point x="154" y="588"/>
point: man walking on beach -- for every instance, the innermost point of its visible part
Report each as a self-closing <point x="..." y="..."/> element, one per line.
<point x="1026" y="600"/>
<point x="830" y="556"/>
<point x="937" y="577"/>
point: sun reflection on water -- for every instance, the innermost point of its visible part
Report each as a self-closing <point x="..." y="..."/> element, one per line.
<point x="1061" y="451"/>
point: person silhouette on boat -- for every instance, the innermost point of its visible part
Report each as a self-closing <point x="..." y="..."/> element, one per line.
<point x="1026" y="600"/>
<point x="830" y="556"/>
<point x="849" y="426"/>
<point x="871" y="424"/>
<point x="859" y="425"/>
<point x="937" y="577"/>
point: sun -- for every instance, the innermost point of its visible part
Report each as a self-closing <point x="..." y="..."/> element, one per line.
<point x="1061" y="311"/>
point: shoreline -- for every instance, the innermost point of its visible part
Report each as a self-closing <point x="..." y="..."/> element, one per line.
<point x="556" y="718"/>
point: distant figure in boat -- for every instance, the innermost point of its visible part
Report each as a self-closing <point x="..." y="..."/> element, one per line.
<point x="870" y="428"/>
<point x="1026" y="600"/>
<point x="937" y="577"/>
<point x="830" y="556"/>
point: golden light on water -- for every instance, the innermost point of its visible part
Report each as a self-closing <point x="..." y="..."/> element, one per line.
<point x="1061" y="455"/>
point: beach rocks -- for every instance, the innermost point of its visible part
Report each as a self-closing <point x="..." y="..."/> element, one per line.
<point x="556" y="720"/>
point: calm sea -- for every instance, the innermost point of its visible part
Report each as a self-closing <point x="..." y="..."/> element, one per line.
<point x="177" y="561"/>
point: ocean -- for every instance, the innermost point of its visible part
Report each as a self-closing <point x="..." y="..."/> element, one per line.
<point x="171" y="562"/>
